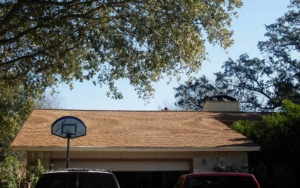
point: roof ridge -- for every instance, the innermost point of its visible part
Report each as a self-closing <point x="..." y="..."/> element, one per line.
<point x="177" y="111"/>
<point x="118" y="110"/>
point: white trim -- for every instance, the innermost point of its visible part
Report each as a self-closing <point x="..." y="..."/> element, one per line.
<point x="89" y="148"/>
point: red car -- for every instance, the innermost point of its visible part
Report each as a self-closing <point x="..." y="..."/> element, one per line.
<point x="217" y="180"/>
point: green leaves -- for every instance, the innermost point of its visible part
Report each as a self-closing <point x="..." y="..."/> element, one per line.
<point x="271" y="80"/>
<point x="11" y="171"/>
<point x="277" y="134"/>
<point x="34" y="170"/>
<point x="44" y="43"/>
<point x="15" y="106"/>
<point x="260" y="84"/>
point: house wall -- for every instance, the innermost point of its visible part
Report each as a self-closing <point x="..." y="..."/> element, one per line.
<point x="199" y="161"/>
<point x="231" y="160"/>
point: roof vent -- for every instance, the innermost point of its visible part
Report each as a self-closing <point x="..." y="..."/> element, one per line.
<point x="165" y="109"/>
<point x="221" y="103"/>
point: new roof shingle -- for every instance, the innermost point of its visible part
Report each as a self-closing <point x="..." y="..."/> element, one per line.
<point x="132" y="129"/>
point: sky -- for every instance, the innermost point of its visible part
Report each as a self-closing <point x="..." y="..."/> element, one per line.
<point x="249" y="29"/>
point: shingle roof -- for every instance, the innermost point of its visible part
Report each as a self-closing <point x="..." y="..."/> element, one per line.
<point x="133" y="129"/>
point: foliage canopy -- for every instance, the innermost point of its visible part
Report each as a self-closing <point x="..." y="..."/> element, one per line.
<point x="43" y="43"/>
<point x="278" y="135"/>
<point x="15" y="106"/>
<point x="191" y="95"/>
<point x="260" y="84"/>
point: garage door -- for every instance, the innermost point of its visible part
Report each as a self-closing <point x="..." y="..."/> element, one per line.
<point x="127" y="165"/>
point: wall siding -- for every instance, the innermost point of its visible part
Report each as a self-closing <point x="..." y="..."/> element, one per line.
<point x="200" y="161"/>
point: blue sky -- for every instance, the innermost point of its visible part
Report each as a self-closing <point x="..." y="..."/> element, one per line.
<point x="249" y="28"/>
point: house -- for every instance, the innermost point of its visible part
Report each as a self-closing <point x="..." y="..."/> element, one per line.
<point x="151" y="148"/>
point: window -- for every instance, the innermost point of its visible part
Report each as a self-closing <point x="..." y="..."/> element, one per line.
<point x="77" y="180"/>
<point x="222" y="182"/>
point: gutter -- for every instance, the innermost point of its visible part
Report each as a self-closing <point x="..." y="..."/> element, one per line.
<point x="132" y="149"/>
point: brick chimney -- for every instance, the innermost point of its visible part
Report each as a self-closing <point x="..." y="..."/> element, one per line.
<point x="221" y="103"/>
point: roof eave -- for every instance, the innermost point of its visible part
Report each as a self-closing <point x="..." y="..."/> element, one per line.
<point x="134" y="149"/>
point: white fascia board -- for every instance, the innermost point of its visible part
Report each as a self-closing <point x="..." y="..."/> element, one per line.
<point x="132" y="149"/>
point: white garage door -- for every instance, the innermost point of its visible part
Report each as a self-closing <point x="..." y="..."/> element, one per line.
<point x="127" y="165"/>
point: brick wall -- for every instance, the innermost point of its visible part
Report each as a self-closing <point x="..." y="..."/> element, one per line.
<point x="233" y="161"/>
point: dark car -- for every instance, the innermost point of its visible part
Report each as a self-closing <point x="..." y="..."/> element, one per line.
<point x="78" y="178"/>
<point x="217" y="180"/>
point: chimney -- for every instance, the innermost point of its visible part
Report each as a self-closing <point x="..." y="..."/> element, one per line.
<point x="221" y="103"/>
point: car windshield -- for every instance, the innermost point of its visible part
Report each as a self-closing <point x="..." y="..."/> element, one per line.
<point x="77" y="180"/>
<point x="222" y="182"/>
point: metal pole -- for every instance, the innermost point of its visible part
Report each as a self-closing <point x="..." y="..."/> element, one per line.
<point x="68" y="151"/>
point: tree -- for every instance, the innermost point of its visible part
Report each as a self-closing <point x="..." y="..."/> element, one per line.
<point x="254" y="81"/>
<point x="43" y="43"/>
<point x="261" y="84"/>
<point x="34" y="170"/>
<point x="278" y="135"/>
<point x="11" y="172"/>
<point x="15" y="107"/>
<point x="14" y="170"/>
<point x="283" y="38"/>
<point x="49" y="101"/>
<point x="191" y="95"/>
<point x="16" y="104"/>
<point x="271" y="80"/>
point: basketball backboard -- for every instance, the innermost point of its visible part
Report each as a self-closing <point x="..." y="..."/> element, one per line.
<point x="68" y="127"/>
